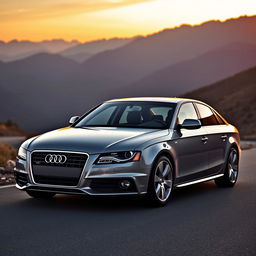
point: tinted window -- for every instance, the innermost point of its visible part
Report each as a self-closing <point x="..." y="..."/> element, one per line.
<point x="102" y="117"/>
<point x="130" y="114"/>
<point x="161" y="112"/>
<point x="206" y="115"/>
<point x="127" y="110"/>
<point x="187" y="111"/>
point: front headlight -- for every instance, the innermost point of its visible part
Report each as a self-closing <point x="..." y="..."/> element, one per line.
<point x="22" y="153"/>
<point x="118" y="157"/>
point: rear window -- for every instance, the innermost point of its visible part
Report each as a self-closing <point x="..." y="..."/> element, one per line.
<point x="207" y="117"/>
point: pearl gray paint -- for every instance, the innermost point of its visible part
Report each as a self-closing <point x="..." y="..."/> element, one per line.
<point x="193" y="157"/>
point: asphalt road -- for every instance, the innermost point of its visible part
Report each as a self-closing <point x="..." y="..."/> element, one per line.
<point x="199" y="220"/>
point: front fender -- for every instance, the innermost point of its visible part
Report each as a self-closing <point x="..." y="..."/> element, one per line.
<point x="153" y="152"/>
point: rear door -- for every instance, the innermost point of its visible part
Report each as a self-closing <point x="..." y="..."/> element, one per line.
<point x="217" y="138"/>
<point x="190" y="146"/>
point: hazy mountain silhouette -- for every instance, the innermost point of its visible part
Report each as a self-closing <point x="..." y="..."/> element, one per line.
<point x="84" y="51"/>
<point x="154" y="52"/>
<point x="42" y="65"/>
<point x="189" y="75"/>
<point x="235" y="98"/>
<point x="40" y="92"/>
<point x="78" y="57"/>
<point x="14" y="50"/>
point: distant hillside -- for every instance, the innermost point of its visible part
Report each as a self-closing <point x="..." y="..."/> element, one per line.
<point x="74" y="50"/>
<point x="188" y="75"/>
<point x="145" y="55"/>
<point x="235" y="98"/>
<point x="82" y="52"/>
<point x="42" y="65"/>
<point x="14" y="50"/>
<point x="42" y="91"/>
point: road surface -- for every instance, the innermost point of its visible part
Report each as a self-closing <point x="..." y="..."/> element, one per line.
<point x="199" y="220"/>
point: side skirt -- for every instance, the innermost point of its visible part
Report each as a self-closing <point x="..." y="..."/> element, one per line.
<point x="199" y="181"/>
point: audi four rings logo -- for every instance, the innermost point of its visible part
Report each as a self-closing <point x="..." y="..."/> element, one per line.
<point x="55" y="159"/>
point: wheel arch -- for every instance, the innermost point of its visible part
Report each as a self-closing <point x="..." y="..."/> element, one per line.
<point x="234" y="145"/>
<point x="169" y="155"/>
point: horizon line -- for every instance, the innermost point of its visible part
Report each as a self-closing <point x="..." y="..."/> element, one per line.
<point x="132" y="37"/>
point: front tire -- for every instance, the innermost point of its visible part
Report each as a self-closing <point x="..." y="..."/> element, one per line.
<point x="231" y="171"/>
<point x="40" y="194"/>
<point x="160" y="182"/>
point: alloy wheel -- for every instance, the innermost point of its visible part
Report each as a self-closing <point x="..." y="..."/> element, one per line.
<point x="163" y="180"/>
<point x="233" y="166"/>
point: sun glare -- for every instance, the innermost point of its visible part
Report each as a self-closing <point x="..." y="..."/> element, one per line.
<point x="88" y="20"/>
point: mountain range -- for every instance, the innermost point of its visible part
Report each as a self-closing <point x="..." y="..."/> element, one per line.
<point x="42" y="91"/>
<point x="79" y="52"/>
<point x="82" y="52"/>
<point x="194" y="73"/>
<point x="14" y="50"/>
<point x="235" y="98"/>
<point x="148" y="54"/>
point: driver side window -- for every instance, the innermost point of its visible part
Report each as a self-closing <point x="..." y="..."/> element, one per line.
<point x="187" y="111"/>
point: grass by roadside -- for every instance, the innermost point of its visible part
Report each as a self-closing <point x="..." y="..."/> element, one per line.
<point x="8" y="128"/>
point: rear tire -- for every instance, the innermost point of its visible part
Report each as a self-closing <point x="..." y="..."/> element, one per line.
<point x="40" y="194"/>
<point x="231" y="171"/>
<point x="160" y="182"/>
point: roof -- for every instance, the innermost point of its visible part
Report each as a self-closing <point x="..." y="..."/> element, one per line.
<point x="156" y="99"/>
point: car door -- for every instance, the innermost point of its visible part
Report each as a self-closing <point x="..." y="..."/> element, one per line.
<point x="217" y="138"/>
<point x="190" y="146"/>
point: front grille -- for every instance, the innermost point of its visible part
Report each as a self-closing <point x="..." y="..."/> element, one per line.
<point x="109" y="185"/>
<point x="21" y="178"/>
<point x="66" y="174"/>
<point x="73" y="159"/>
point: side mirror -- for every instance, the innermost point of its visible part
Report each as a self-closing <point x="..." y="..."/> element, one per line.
<point x="73" y="119"/>
<point x="190" y="124"/>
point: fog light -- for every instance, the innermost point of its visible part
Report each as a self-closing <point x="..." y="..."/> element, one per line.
<point x="125" y="184"/>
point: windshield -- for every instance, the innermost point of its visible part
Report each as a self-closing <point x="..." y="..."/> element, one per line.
<point x="131" y="114"/>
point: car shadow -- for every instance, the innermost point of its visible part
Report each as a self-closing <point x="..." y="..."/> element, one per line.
<point x="88" y="203"/>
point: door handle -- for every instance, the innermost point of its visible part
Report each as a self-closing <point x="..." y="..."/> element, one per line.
<point x="223" y="137"/>
<point x="204" y="139"/>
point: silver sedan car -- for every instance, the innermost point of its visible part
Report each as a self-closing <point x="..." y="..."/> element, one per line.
<point x="132" y="146"/>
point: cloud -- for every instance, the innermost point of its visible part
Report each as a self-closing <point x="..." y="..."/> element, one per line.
<point x="30" y="9"/>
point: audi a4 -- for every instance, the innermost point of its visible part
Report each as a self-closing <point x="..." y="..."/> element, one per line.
<point x="133" y="146"/>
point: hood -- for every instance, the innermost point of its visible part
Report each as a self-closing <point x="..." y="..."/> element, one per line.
<point x="94" y="140"/>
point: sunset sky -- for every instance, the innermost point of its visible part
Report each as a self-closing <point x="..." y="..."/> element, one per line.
<point x="86" y="20"/>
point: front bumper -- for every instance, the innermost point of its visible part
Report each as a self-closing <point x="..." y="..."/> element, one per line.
<point x="94" y="179"/>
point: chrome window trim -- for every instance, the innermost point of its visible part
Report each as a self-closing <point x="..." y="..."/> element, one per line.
<point x="54" y="151"/>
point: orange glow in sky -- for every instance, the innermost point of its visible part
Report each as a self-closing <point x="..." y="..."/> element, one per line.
<point x="87" y="20"/>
